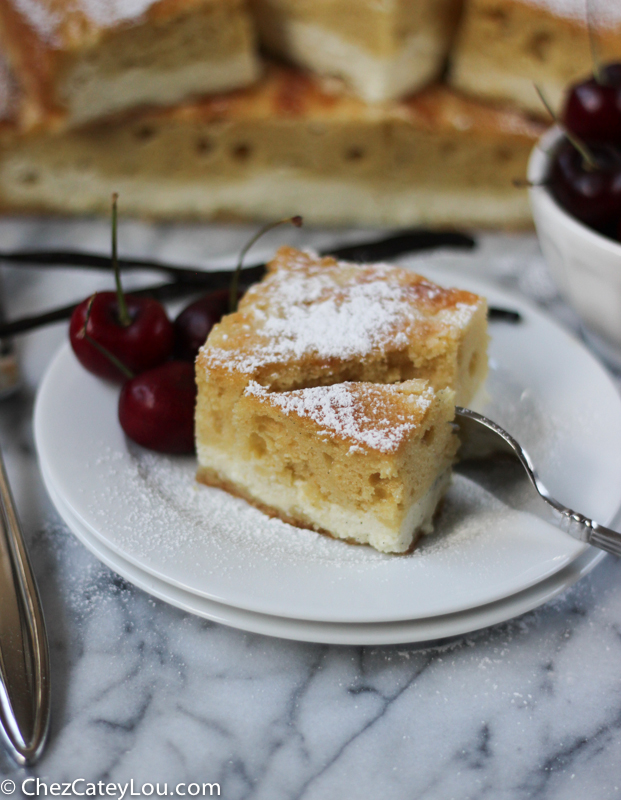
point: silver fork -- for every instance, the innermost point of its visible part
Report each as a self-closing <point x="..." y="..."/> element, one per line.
<point x="484" y="441"/>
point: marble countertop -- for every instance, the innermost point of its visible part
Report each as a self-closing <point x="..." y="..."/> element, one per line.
<point x="145" y="692"/>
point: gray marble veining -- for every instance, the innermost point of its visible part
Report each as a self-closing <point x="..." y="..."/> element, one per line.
<point x="145" y="692"/>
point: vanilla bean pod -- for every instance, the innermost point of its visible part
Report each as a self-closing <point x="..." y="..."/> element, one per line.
<point x="375" y="250"/>
<point x="190" y="280"/>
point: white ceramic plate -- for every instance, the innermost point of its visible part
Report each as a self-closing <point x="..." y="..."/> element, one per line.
<point x="431" y="629"/>
<point x="545" y="387"/>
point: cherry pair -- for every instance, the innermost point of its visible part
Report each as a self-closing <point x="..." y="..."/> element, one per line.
<point x="156" y="404"/>
<point x="585" y="177"/>
<point x="130" y="339"/>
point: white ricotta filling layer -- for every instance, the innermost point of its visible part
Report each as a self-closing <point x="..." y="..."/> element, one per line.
<point x="479" y="75"/>
<point x="374" y="78"/>
<point x="343" y="523"/>
<point x="263" y="195"/>
<point x="88" y="94"/>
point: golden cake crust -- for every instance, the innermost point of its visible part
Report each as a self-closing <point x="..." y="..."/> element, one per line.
<point x="315" y="321"/>
<point x="289" y="94"/>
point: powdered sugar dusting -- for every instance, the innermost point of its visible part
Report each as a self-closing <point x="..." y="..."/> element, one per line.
<point x="47" y="17"/>
<point x="111" y="12"/>
<point x="361" y="413"/>
<point x="148" y="509"/>
<point x="330" y="311"/>
<point x="175" y="524"/>
<point x="44" y="19"/>
<point x="604" y="13"/>
<point x="349" y="325"/>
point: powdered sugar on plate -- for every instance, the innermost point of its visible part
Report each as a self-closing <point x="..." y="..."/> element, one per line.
<point x="148" y="509"/>
<point x="169" y="513"/>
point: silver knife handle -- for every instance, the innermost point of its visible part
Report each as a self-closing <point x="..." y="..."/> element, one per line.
<point x="24" y="655"/>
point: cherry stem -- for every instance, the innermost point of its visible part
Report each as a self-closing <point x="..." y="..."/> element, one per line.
<point x="597" y="64"/>
<point x="580" y="146"/>
<point x="521" y="183"/>
<point x="124" y="317"/>
<point x="234" y="288"/>
<point x="103" y="350"/>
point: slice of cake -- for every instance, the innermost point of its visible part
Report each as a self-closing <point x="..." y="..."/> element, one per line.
<point x="361" y="461"/>
<point x="80" y="60"/>
<point x="382" y="50"/>
<point x="328" y="364"/>
<point x="505" y="47"/>
<point x="283" y="145"/>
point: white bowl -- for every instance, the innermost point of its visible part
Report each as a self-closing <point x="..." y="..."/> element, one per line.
<point x="585" y="264"/>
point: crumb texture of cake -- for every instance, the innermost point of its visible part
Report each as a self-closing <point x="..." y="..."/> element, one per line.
<point x="364" y="462"/>
<point x="505" y="47"/>
<point x="326" y="399"/>
<point x="286" y="143"/>
<point x="383" y="51"/>
<point x="94" y="58"/>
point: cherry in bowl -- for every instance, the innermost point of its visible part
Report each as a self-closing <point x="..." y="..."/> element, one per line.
<point x="589" y="192"/>
<point x="593" y="107"/>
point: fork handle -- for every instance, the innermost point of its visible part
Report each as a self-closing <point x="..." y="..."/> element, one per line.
<point x="588" y="531"/>
<point x="606" y="539"/>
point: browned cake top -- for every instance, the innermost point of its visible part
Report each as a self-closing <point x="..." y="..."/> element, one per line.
<point x="66" y="24"/>
<point x="285" y="92"/>
<point x="8" y="94"/>
<point x="311" y="308"/>
<point x="367" y="416"/>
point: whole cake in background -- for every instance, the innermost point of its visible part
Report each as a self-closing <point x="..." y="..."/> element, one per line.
<point x="282" y="145"/>
<point x="171" y="104"/>
<point x="327" y="398"/>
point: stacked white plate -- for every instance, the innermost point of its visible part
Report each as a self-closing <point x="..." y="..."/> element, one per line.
<point x="209" y="553"/>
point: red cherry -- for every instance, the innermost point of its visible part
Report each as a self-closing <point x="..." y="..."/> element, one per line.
<point x="592" y="195"/>
<point x="593" y="108"/>
<point x="146" y="342"/>
<point x="156" y="409"/>
<point x="193" y="324"/>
